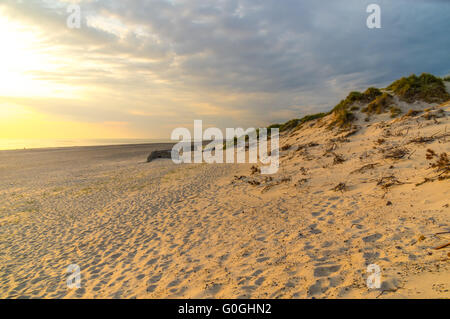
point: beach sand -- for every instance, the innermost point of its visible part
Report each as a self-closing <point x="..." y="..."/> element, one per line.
<point x="160" y="230"/>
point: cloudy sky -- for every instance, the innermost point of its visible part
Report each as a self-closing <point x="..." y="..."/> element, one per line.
<point x="138" y="68"/>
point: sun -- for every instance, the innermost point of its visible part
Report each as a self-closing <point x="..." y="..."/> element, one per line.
<point x="24" y="61"/>
<point x="16" y="58"/>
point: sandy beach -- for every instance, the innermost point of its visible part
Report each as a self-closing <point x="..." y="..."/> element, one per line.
<point x="160" y="230"/>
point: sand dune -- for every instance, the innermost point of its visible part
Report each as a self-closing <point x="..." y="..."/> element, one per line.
<point x="343" y="199"/>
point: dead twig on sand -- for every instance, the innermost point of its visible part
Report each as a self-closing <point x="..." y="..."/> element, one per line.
<point x="255" y="170"/>
<point x="442" y="246"/>
<point x="301" y="182"/>
<point x="428" y="139"/>
<point x="338" y="159"/>
<point x="441" y="166"/>
<point x="421" y="140"/>
<point x="352" y="132"/>
<point x="275" y="183"/>
<point x="365" y="168"/>
<point x="341" y="187"/>
<point x="442" y="233"/>
<point x="395" y="153"/>
<point x="433" y="179"/>
<point x="388" y="181"/>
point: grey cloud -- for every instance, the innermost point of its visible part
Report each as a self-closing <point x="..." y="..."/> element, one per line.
<point x="300" y="55"/>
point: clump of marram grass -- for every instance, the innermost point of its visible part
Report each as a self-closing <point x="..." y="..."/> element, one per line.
<point x="255" y="170"/>
<point x="295" y="123"/>
<point x="341" y="187"/>
<point x="395" y="153"/>
<point x="379" y="105"/>
<point x="388" y="181"/>
<point x="342" y="118"/>
<point x="442" y="164"/>
<point x="430" y="115"/>
<point x="338" y="159"/>
<point x="357" y="97"/>
<point x="412" y="113"/>
<point x="446" y="79"/>
<point x="286" y="147"/>
<point x="395" y="111"/>
<point x="425" y="87"/>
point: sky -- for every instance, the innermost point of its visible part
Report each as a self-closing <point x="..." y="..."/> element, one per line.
<point x="139" y="69"/>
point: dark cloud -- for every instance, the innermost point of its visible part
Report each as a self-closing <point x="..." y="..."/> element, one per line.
<point x="300" y="56"/>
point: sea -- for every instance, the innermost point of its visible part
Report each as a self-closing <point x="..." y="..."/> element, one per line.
<point x="20" y="144"/>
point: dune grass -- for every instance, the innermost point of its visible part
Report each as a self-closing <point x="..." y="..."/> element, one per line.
<point x="291" y="124"/>
<point x="425" y="87"/>
<point x="379" y="105"/>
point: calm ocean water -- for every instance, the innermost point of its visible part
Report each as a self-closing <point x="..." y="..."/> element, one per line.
<point x="14" y="144"/>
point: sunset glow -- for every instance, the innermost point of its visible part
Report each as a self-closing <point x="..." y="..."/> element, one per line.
<point x="164" y="64"/>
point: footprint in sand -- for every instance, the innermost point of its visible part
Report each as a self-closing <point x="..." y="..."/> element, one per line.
<point x="213" y="289"/>
<point x="313" y="229"/>
<point x="371" y="256"/>
<point x="173" y="283"/>
<point x="317" y="288"/>
<point x="151" y="288"/>
<point x="154" y="279"/>
<point x="259" y="281"/>
<point x="372" y="238"/>
<point x="327" y="244"/>
<point x="325" y="271"/>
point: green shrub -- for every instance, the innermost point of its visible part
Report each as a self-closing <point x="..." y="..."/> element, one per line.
<point x="371" y="94"/>
<point x="425" y="87"/>
<point x="356" y="97"/>
<point x="446" y="79"/>
<point x="413" y="113"/>
<point x="395" y="111"/>
<point x="379" y="105"/>
<point x="342" y="118"/>
<point x="291" y="124"/>
<point x="312" y="117"/>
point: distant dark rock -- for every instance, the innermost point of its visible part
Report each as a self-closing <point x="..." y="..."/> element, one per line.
<point x="159" y="154"/>
<point x="168" y="153"/>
